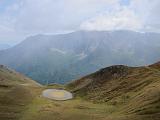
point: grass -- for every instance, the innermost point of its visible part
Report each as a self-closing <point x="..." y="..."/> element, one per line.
<point x="132" y="91"/>
<point x="78" y="109"/>
<point x="14" y="94"/>
<point x="135" y="96"/>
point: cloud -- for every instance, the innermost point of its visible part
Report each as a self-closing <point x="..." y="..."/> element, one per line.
<point x="138" y="15"/>
<point x="123" y="18"/>
<point x="26" y="17"/>
<point x="21" y="18"/>
<point x="56" y="15"/>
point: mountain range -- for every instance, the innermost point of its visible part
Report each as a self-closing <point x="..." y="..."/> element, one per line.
<point x="64" y="57"/>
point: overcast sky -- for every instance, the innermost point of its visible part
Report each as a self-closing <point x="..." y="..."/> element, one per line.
<point x="21" y="18"/>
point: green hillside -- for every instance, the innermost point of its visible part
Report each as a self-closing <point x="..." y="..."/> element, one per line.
<point x="113" y="93"/>
<point x="16" y="92"/>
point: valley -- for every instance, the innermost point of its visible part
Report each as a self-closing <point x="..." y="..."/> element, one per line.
<point x="65" y="57"/>
<point x="79" y="60"/>
<point x="113" y="93"/>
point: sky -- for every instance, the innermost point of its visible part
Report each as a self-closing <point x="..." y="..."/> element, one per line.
<point x="22" y="18"/>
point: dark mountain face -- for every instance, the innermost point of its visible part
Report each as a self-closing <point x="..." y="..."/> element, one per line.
<point x="61" y="58"/>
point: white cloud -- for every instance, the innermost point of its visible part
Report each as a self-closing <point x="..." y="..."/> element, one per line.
<point x="123" y="18"/>
<point x="57" y="15"/>
<point x="25" y="17"/>
<point x="139" y="15"/>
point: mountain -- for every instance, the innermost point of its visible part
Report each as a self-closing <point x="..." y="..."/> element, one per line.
<point x="114" y="93"/>
<point x="64" y="57"/>
<point x="4" y="46"/>
<point x="135" y="91"/>
<point x="16" y="92"/>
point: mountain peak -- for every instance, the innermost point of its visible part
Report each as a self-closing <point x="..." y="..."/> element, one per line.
<point x="87" y="51"/>
<point x="113" y="71"/>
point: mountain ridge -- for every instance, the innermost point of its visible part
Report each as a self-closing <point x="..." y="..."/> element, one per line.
<point x="123" y="85"/>
<point x="66" y="57"/>
<point x="133" y="89"/>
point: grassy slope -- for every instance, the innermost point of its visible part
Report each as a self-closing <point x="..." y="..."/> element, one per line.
<point x="133" y="91"/>
<point x="20" y="99"/>
<point x="15" y="93"/>
<point x="114" y="93"/>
